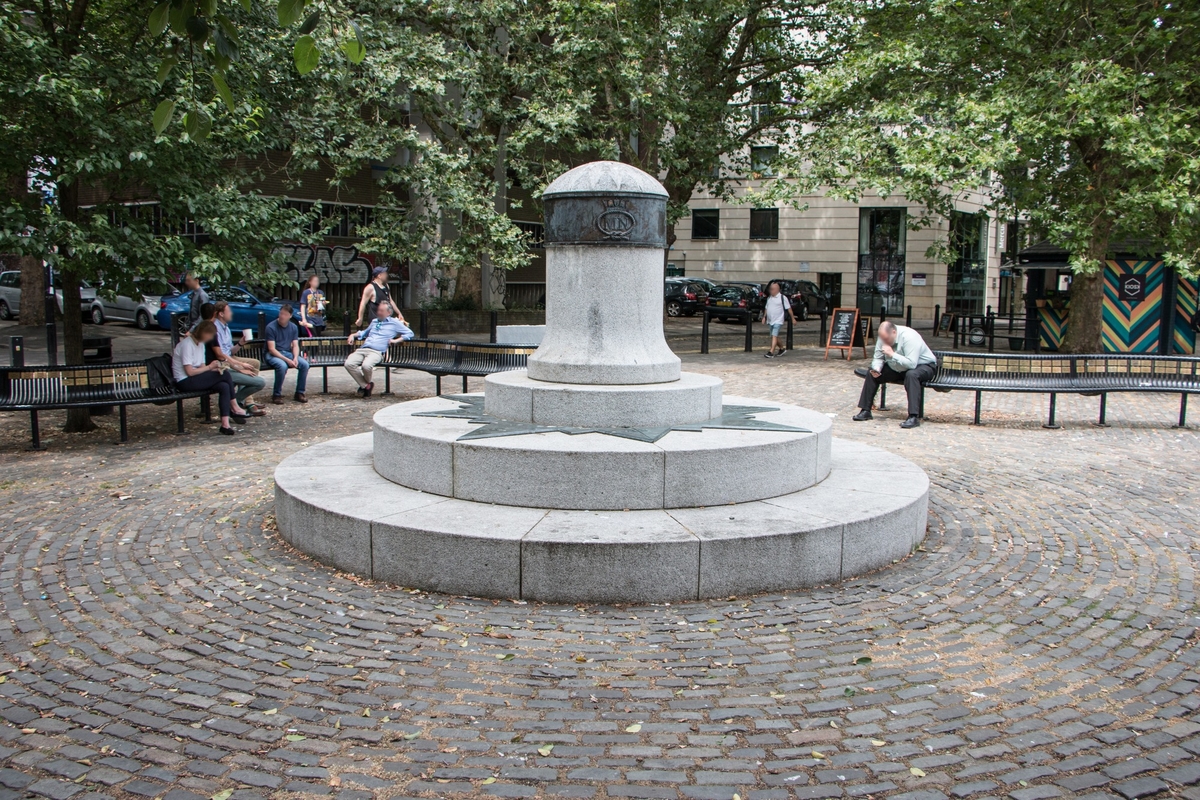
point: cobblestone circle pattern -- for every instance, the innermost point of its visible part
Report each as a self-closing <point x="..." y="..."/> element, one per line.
<point x="159" y="640"/>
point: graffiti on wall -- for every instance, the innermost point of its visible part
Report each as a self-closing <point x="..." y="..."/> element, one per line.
<point x="339" y="264"/>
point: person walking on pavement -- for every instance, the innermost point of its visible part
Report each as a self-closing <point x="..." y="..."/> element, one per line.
<point x="777" y="309"/>
<point x="374" y="293"/>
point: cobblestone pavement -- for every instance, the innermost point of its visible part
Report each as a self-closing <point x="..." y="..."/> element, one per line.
<point x="157" y="639"/>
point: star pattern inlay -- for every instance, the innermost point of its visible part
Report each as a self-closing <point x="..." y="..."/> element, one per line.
<point x="740" y="418"/>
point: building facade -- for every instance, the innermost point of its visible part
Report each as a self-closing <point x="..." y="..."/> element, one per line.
<point x="863" y="254"/>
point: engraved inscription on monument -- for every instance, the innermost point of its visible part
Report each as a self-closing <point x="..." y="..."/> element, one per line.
<point x="615" y="221"/>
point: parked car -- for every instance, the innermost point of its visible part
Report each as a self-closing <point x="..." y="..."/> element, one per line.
<point x="730" y="301"/>
<point x="683" y="297"/>
<point x="245" y="305"/>
<point x="758" y="294"/>
<point x="141" y="311"/>
<point x="806" y="297"/>
<point x="10" y="295"/>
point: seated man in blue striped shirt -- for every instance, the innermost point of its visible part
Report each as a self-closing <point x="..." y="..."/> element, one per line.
<point x="383" y="331"/>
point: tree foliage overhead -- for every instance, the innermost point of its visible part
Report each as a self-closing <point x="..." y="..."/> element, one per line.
<point x="1082" y="116"/>
<point x="684" y="88"/>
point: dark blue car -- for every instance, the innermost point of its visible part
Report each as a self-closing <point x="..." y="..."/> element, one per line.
<point x="245" y="305"/>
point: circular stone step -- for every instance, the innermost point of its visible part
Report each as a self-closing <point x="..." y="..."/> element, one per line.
<point x="515" y="396"/>
<point x="599" y="471"/>
<point x="869" y="513"/>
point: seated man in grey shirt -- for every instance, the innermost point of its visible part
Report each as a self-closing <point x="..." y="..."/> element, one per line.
<point x="901" y="356"/>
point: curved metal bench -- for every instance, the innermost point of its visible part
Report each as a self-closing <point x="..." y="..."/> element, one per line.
<point x="38" y="388"/>
<point x="1087" y="374"/>
<point x="438" y="357"/>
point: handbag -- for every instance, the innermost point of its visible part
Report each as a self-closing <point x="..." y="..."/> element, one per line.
<point x="159" y="378"/>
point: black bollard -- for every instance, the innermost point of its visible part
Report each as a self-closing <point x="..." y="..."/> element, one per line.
<point x="954" y="326"/>
<point x="908" y="317"/>
<point x="494" y="322"/>
<point x="424" y="332"/>
<point x="789" y="333"/>
<point x="51" y="328"/>
<point x="262" y="325"/>
<point x="704" y="334"/>
<point x="824" y="327"/>
<point x="749" y="332"/>
<point x="346" y="324"/>
<point x="16" y="349"/>
<point x="937" y="317"/>
<point x="990" y="325"/>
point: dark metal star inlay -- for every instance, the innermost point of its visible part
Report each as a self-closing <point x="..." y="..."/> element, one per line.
<point x="732" y="418"/>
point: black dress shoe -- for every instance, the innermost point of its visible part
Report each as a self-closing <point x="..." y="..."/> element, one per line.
<point x="227" y="431"/>
<point x="912" y="422"/>
<point x="863" y="415"/>
<point x="240" y="419"/>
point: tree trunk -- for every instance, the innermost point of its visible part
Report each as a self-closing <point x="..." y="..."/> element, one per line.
<point x="33" y="291"/>
<point x="1085" y="321"/>
<point x="79" y="420"/>
<point x="469" y="285"/>
<point x="33" y="281"/>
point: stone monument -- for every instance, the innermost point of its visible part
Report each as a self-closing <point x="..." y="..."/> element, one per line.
<point x="602" y="473"/>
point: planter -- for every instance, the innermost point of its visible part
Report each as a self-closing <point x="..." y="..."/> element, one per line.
<point x="1016" y="343"/>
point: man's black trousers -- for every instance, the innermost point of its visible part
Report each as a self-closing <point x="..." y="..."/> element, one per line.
<point x="912" y="380"/>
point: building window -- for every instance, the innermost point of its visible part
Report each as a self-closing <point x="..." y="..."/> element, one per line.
<point x="763" y="99"/>
<point x="967" y="273"/>
<point x="882" y="238"/>
<point x="764" y="223"/>
<point x="762" y="160"/>
<point x="706" y="223"/>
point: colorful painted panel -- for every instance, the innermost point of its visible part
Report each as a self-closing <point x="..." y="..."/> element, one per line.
<point x="1053" y="327"/>
<point x="1183" y="341"/>
<point x="1132" y="327"/>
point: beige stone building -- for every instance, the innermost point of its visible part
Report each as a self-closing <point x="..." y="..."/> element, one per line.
<point x="863" y="254"/>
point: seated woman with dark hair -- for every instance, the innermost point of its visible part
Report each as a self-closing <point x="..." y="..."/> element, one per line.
<point x="193" y="375"/>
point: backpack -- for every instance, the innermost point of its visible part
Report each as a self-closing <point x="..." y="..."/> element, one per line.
<point x="159" y="376"/>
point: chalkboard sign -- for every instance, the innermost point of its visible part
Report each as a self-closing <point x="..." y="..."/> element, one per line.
<point x="945" y="324"/>
<point x="844" y="331"/>
<point x="865" y="331"/>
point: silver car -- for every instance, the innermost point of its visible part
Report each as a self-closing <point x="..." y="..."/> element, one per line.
<point x="121" y="308"/>
<point x="10" y="295"/>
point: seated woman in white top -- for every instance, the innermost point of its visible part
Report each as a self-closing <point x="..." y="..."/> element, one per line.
<point x="192" y="374"/>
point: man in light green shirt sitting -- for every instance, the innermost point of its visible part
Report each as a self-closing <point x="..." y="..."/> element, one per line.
<point x="901" y="356"/>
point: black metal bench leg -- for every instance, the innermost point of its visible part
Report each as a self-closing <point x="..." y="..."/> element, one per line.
<point x="387" y="380"/>
<point x="124" y="426"/>
<point x="36" y="431"/>
<point x="464" y="384"/>
<point x="438" y="390"/>
<point x="1102" y="422"/>
<point x="978" y="405"/>
<point x="922" y="402"/>
<point x="324" y="380"/>
<point x="883" y="397"/>
<point x="206" y="409"/>
<point x="1053" y="405"/>
<point x="180" y="430"/>
<point x="1182" y="410"/>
